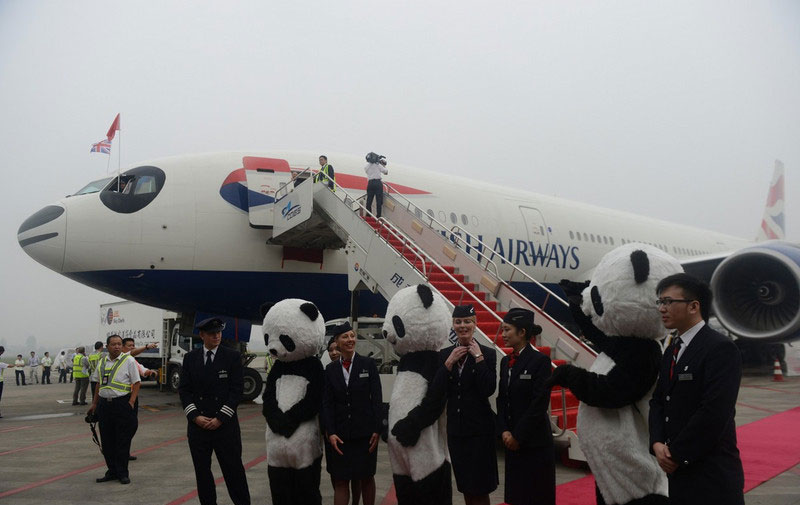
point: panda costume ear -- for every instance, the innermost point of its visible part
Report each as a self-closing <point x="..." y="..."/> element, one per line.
<point x="264" y="308"/>
<point x="641" y="266"/>
<point x="310" y="310"/>
<point x="425" y="294"/>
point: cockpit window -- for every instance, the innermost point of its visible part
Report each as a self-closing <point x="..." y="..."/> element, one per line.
<point x="93" y="187"/>
<point x="133" y="190"/>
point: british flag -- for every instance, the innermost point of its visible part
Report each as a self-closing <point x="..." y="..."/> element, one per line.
<point x="103" y="147"/>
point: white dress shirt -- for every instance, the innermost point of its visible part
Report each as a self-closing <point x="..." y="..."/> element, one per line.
<point x="374" y="171"/>
<point x="687" y="338"/>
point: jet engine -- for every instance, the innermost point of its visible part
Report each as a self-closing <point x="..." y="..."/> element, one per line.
<point x="757" y="292"/>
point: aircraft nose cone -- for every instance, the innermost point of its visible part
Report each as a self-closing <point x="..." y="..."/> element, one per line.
<point x="43" y="236"/>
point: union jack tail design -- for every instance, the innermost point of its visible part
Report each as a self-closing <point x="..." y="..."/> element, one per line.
<point x="102" y="147"/>
<point x="773" y="225"/>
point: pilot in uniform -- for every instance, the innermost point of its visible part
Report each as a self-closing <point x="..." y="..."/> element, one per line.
<point x="117" y="389"/>
<point x="210" y="388"/>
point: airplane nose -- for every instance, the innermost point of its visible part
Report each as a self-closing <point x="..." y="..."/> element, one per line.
<point x="43" y="236"/>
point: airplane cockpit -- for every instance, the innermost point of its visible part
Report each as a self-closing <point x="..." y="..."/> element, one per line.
<point x="129" y="192"/>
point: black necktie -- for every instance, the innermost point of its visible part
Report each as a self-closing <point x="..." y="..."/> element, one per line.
<point x="209" y="358"/>
<point x="676" y="348"/>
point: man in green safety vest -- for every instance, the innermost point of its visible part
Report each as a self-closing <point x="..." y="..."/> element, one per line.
<point x="80" y="372"/>
<point x="117" y="389"/>
<point x="325" y="173"/>
<point x="94" y="358"/>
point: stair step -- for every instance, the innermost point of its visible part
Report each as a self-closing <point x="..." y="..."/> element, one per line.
<point x="490" y="329"/>
<point x="452" y="286"/>
<point x="457" y="294"/>
<point x="439" y="276"/>
<point x="559" y="362"/>
<point x="545" y="350"/>
<point x="572" y="417"/>
<point x="555" y="399"/>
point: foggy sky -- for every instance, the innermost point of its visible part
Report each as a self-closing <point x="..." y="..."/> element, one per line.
<point x="675" y="110"/>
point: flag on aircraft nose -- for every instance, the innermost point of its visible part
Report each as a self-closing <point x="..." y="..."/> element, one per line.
<point x="103" y="147"/>
<point x="113" y="130"/>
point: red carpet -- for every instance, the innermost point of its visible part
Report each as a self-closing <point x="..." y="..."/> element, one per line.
<point x="768" y="447"/>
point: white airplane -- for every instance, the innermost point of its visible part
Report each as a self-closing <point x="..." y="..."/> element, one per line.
<point x="176" y="233"/>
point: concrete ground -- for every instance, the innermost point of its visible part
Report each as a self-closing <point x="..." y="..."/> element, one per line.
<point x="47" y="456"/>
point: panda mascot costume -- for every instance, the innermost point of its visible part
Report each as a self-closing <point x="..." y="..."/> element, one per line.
<point x="417" y="325"/>
<point x="617" y="313"/>
<point x="294" y="332"/>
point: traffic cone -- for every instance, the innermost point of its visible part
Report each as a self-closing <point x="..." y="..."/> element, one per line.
<point x="777" y="375"/>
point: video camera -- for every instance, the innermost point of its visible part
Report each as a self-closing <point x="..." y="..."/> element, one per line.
<point x="375" y="158"/>
<point x="90" y="418"/>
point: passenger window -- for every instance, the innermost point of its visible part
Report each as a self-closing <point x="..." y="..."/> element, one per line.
<point x="430" y="212"/>
<point x="591" y="235"/>
<point x="611" y="239"/>
<point x="474" y="221"/>
<point x="442" y="216"/>
<point x="585" y="237"/>
<point x="571" y="235"/>
<point x="453" y="218"/>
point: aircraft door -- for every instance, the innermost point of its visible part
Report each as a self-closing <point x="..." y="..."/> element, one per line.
<point x="537" y="229"/>
<point x="261" y="186"/>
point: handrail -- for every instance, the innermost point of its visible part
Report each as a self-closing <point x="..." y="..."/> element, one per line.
<point x="291" y="181"/>
<point x="472" y="237"/>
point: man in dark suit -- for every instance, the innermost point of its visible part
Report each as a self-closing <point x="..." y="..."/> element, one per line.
<point x="210" y="388"/>
<point x="692" y="428"/>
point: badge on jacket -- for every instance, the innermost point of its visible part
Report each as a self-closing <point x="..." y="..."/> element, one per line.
<point x="223" y="374"/>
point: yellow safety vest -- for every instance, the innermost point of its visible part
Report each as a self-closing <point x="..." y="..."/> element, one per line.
<point x="77" y="368"/>
<point x="93" y="359"/>
<point x="323" y="176"/>
<point x="108" y="377"/>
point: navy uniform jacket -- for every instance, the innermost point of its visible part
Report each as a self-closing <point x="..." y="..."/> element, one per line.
<point x="468" y="411"/>
<point x="523" y="400"/>
<point x="352" y="410"/>
<point x="694" y="415"/>
<point x="214" y="392"/>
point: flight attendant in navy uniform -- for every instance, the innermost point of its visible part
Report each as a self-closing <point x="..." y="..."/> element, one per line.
<point x="522" y="419"/>
<point x="351" y="418"/>
<point x="471" y="380"/>
<point x="210" y="388"/>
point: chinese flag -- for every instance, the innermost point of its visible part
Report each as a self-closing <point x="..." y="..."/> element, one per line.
<point x="113" y="130"/>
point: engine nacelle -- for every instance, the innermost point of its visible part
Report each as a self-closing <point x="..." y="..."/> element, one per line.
<point x="757" y="292"/>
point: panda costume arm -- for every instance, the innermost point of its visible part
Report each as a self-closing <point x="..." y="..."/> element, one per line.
<point x="311" y="404"/>
<point x="635" y="371"/>
<point x="426" y="363"/>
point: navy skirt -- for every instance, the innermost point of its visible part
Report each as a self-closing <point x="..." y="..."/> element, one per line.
<point x="355" y="463"/>
<point x="474" y="461"/>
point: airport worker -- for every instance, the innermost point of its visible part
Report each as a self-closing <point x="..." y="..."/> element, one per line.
<point x="80" y="372"/>
<point x="113" y="403"/>
<point x="210" y="388"/>
<point x="522" y="417"/>
<point x="3" y="366"/>
<point x="94" y="358"/>
<point x="61" y="366"/>
<point x="376" y="167"/>
<point x="352" y="407"/>
<point x="471" y="380"/>
<point x="692" y="429"/>
<point x="19" y="369"/>
<point x="326" y="173"/>
<point x="47" y="364"/>
<point x="34" y="365"/>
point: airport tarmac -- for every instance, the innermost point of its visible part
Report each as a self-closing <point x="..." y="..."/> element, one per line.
<point x="47" y="455"/>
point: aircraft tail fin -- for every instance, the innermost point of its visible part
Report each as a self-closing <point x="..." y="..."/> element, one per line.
<point x="773" y="224"/>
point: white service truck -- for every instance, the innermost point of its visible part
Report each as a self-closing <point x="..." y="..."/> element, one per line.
<point x="173" y="332"/>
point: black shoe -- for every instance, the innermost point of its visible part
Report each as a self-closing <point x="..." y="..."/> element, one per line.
<point x="84" y="403"/>
<point x="124" y="480"/>
<point x="132" y="458"/>
<point x="75" y="403"/>
<point x="106" y="478"/>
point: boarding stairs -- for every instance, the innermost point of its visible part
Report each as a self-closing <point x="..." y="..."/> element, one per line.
<point x="406" y="247"/>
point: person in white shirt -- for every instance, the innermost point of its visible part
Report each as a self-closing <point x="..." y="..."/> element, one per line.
<point x="61" y="366"/>
<point x="33" y="362"/>
<point x="376" y="166"/>
<point x="19" y="366"/>
<point x="114" y="400"/>
<point x="47" y="364"/>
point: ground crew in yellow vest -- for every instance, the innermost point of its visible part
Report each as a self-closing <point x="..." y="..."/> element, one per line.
<point x="80" y="372"/>
<point x="325" y="173"/>
<point x="94" y="358"/>
<point x="113" y="403"/>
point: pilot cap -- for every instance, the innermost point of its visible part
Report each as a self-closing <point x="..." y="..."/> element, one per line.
<point x="341" y="328"/>
<point x="211" y="325"/>
<point x="463" y="310"/>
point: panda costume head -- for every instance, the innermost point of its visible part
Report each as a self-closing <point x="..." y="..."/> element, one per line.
<point x="417" y="319"/>
<point x="293" y="330"/>
<point x="621" y="299"/>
